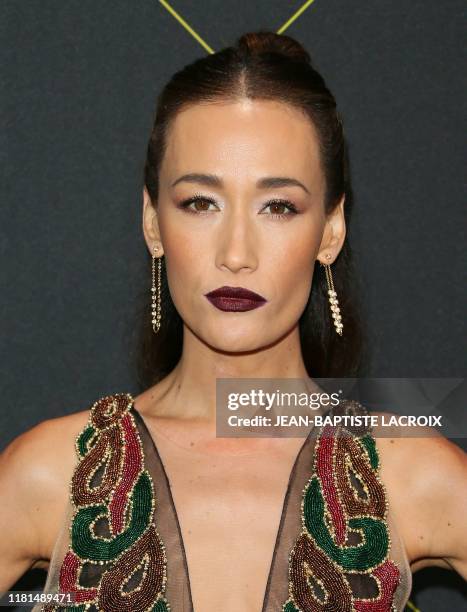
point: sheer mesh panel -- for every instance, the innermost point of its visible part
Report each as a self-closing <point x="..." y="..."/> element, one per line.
<point x="290" y="527"/>
<point x="178" y="588"/>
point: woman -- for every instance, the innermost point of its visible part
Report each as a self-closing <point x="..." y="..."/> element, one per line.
<point x="246" y="186"/>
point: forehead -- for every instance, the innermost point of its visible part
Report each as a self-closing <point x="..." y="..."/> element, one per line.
<point x="248" y="138"/>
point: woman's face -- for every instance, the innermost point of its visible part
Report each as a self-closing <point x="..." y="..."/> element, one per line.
<point x="246" y="228"/>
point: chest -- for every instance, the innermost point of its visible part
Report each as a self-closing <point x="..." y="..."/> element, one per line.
<point x="229" y="510"/>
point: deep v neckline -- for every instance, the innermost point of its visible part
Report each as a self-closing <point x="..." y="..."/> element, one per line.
<point x="141" y="421"/>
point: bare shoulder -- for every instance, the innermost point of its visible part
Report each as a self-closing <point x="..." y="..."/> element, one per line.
<point x="35" y="471"/>
<point x="44" y="453"/>
<point x="425" y="475"/>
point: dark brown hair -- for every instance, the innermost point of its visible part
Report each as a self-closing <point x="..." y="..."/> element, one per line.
<point x="268" y="66"/>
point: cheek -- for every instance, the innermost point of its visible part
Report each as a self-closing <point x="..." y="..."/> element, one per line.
<point x="291" y="275"/>
<point x="294" y="255"/>
<point x="180" y="244"/>
<point x="186" y="265"/>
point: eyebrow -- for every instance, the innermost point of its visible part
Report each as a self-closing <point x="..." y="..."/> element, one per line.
<point x="264" y="183"/>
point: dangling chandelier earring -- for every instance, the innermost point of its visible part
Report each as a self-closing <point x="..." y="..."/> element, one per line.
<point x="156" y="292"/>
<point x="335" y="310"/>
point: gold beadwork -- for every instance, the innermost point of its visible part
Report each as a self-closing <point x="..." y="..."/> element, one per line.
<point x="156" y="292"/>
<point x="334" y="304"/>
<point x="125" y="498"/>
<point x="325" y="555"/>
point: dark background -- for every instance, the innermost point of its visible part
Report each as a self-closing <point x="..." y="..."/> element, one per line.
<point x="79" y="82"/>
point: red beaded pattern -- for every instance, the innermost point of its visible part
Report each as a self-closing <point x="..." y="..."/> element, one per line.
<point x="113" y="539"/>
<point x="342" y="552"/>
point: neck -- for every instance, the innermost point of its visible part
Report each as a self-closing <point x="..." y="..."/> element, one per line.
<point x="189" y="391"/>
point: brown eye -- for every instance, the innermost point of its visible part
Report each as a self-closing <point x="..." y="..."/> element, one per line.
<point x="277" y="208"/>
<point x="197" y="204"/>
<point x="281" y="208"/>
<point x="201" y="205"/>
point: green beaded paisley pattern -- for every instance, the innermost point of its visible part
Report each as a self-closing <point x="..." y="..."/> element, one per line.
<point x="344" y="530"/>
<point x="116" y="560"/>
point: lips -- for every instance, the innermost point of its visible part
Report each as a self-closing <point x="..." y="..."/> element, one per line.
<point x="237" y="299"/>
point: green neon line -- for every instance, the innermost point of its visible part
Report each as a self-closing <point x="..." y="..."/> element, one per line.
<point x="411" y="606"/>
<point x="180" y="19"/>
<point x="294" y="16"/>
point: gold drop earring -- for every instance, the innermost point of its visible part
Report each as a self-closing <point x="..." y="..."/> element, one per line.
<point x="156" y="292"/>
<point x="335" y="310"/>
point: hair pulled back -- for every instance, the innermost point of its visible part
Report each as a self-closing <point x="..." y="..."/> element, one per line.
<point x="267" y="66"/>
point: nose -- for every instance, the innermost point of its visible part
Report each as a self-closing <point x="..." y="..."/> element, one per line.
<point x="237" y="243"/>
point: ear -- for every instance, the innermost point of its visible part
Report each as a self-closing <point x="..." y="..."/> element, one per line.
<point x="333" y="235"/>
<point x="151" y="225"/>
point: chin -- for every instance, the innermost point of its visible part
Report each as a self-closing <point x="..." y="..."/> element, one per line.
<point x="238" y="338"/>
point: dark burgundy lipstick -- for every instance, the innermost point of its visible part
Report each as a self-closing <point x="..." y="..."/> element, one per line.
<point x="235" y="299"/>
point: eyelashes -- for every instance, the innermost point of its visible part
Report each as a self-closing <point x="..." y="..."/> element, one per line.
<point x="195" y="200"/>
<point x="288" y="206"/>
<point x="198" y="198"/>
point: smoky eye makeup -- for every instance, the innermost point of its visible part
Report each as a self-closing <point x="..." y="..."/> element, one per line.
<point x="289" y="208"/>
<point x="279" y="208"/>
<point x="198" y="203"/>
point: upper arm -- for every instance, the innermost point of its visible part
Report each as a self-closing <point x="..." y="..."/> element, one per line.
<point x="35" y="470"/>
<point x="426" y="478"/>
<point x="445" y="492"/>
<point x="19" y="545"/>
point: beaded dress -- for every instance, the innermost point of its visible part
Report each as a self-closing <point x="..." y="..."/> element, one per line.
<point x="121" y="550"/>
